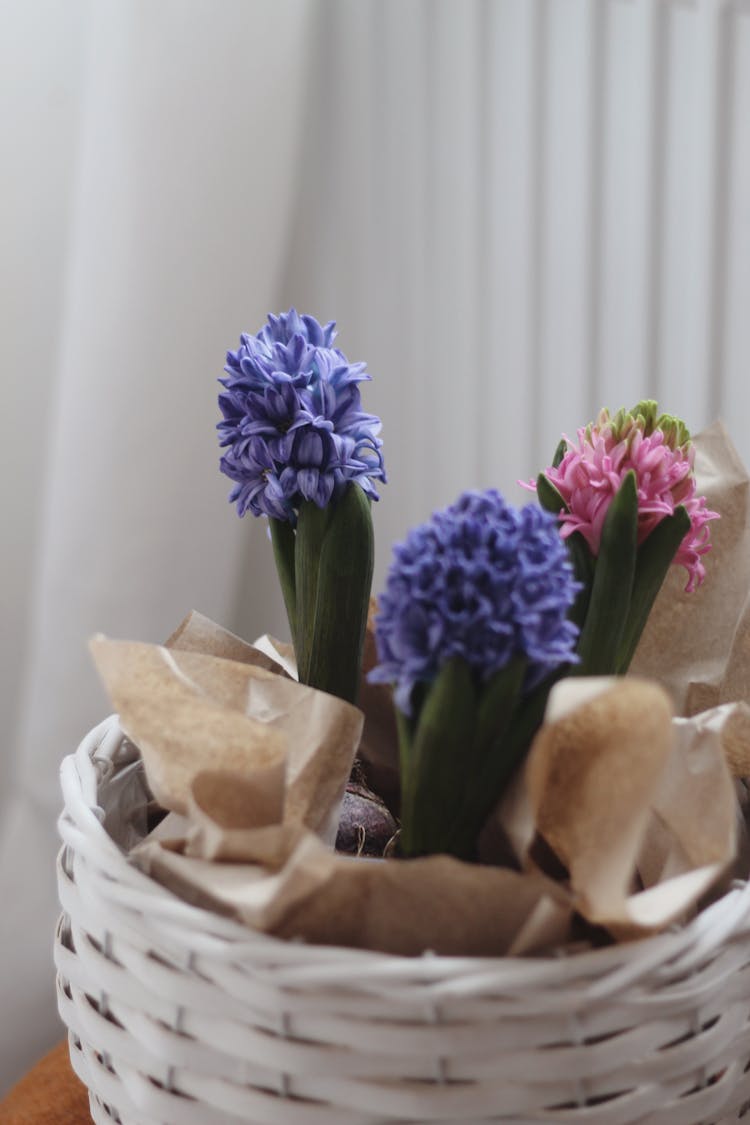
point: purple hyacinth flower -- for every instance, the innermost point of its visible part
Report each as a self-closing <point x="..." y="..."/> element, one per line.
<point x="290" y="390"/>
<point x="314" y="466"/>
<point x="482" y="581"/>
<point x="258" y="488"/>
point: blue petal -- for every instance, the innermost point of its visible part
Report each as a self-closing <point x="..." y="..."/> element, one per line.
<point x="309" y="448"/>
<point x="307" y="481"/>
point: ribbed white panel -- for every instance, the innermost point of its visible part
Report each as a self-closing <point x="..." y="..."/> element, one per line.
<point x="454" y="358"/>
<point x="734" y="316"/>
<point x="402" y="105"/>
<point x="632" y="127"/>
<point x="683" y="227"/>
<point x="509" y="248"/>
<point x="522" y="210"/>
<point x="567" y="222"/>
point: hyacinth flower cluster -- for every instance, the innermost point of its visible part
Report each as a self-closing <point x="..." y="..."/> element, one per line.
<point x="472" y="630"/>
<point x="301" y="451"/>
<point x="625" y="495"/>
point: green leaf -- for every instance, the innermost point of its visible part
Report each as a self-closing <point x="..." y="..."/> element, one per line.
<point x="583" y="568"/>
<point x="343" y="596"/>
<point x="653" y="559"/>
<point x="498" y="765"/>
<point x="440" y="762"/>
<point x="498" y="699"/>
<point x="604" y="627"/>
<point x="282" y="538"/>
<point x="311" y="527"/>
<point x="405" y="726"/>
<point x="548" y="496"/>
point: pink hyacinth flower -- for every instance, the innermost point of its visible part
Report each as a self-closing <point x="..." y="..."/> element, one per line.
<point x="592" y="470"/>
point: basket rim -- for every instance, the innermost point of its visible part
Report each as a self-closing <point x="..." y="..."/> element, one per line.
<point x="83" y="772"/>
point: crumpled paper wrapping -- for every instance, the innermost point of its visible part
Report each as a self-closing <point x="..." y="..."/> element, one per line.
<point x="698" y="645"/>
<point x="254" y="765"/>
<point x="190" y="713"/>
<point x="622" y="815"/>
<point x="639" y="810"/>
<point x="247" y="840"/>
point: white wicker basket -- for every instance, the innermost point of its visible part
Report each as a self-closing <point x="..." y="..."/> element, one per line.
<point x="180" y="1017"/>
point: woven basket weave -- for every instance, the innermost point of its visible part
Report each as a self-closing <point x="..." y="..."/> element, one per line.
<point x="179" y="1017"/>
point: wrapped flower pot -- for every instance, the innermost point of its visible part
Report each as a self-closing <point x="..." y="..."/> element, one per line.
<point x="445" y="863"/>
<point x="179" y="1015"/>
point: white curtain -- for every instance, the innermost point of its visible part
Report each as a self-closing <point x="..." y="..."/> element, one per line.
<point x="517" y="210"/>
<point x="155" y="161"/>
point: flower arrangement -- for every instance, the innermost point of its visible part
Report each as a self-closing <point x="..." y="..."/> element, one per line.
<point x="541" y="811"/>
<point x="486" y="606"/>
<point x="472" y="631"/>
<point x="625" y="496"/>
<point x="301" y="451"/>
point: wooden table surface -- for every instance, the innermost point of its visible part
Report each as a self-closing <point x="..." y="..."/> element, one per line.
<point x="50" y="1094"/>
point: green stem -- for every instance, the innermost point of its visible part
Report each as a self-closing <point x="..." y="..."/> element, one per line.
<point x="311" y="527"/>
<point x="405" y="728"/>
<point x="502" y="758"/>
<point x="497" y="704"/>
<point x="583" y="569"/>
<point x="438" y="767"/>
<point x="604" y="628"/>
<point x="654" y="558"/>
<point x="344" y="578"/>
<point x="283" y="538"/>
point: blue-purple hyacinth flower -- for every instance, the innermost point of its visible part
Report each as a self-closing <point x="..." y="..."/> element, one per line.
<point x="483" y="581"/>
<point x="293" y="425"/>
